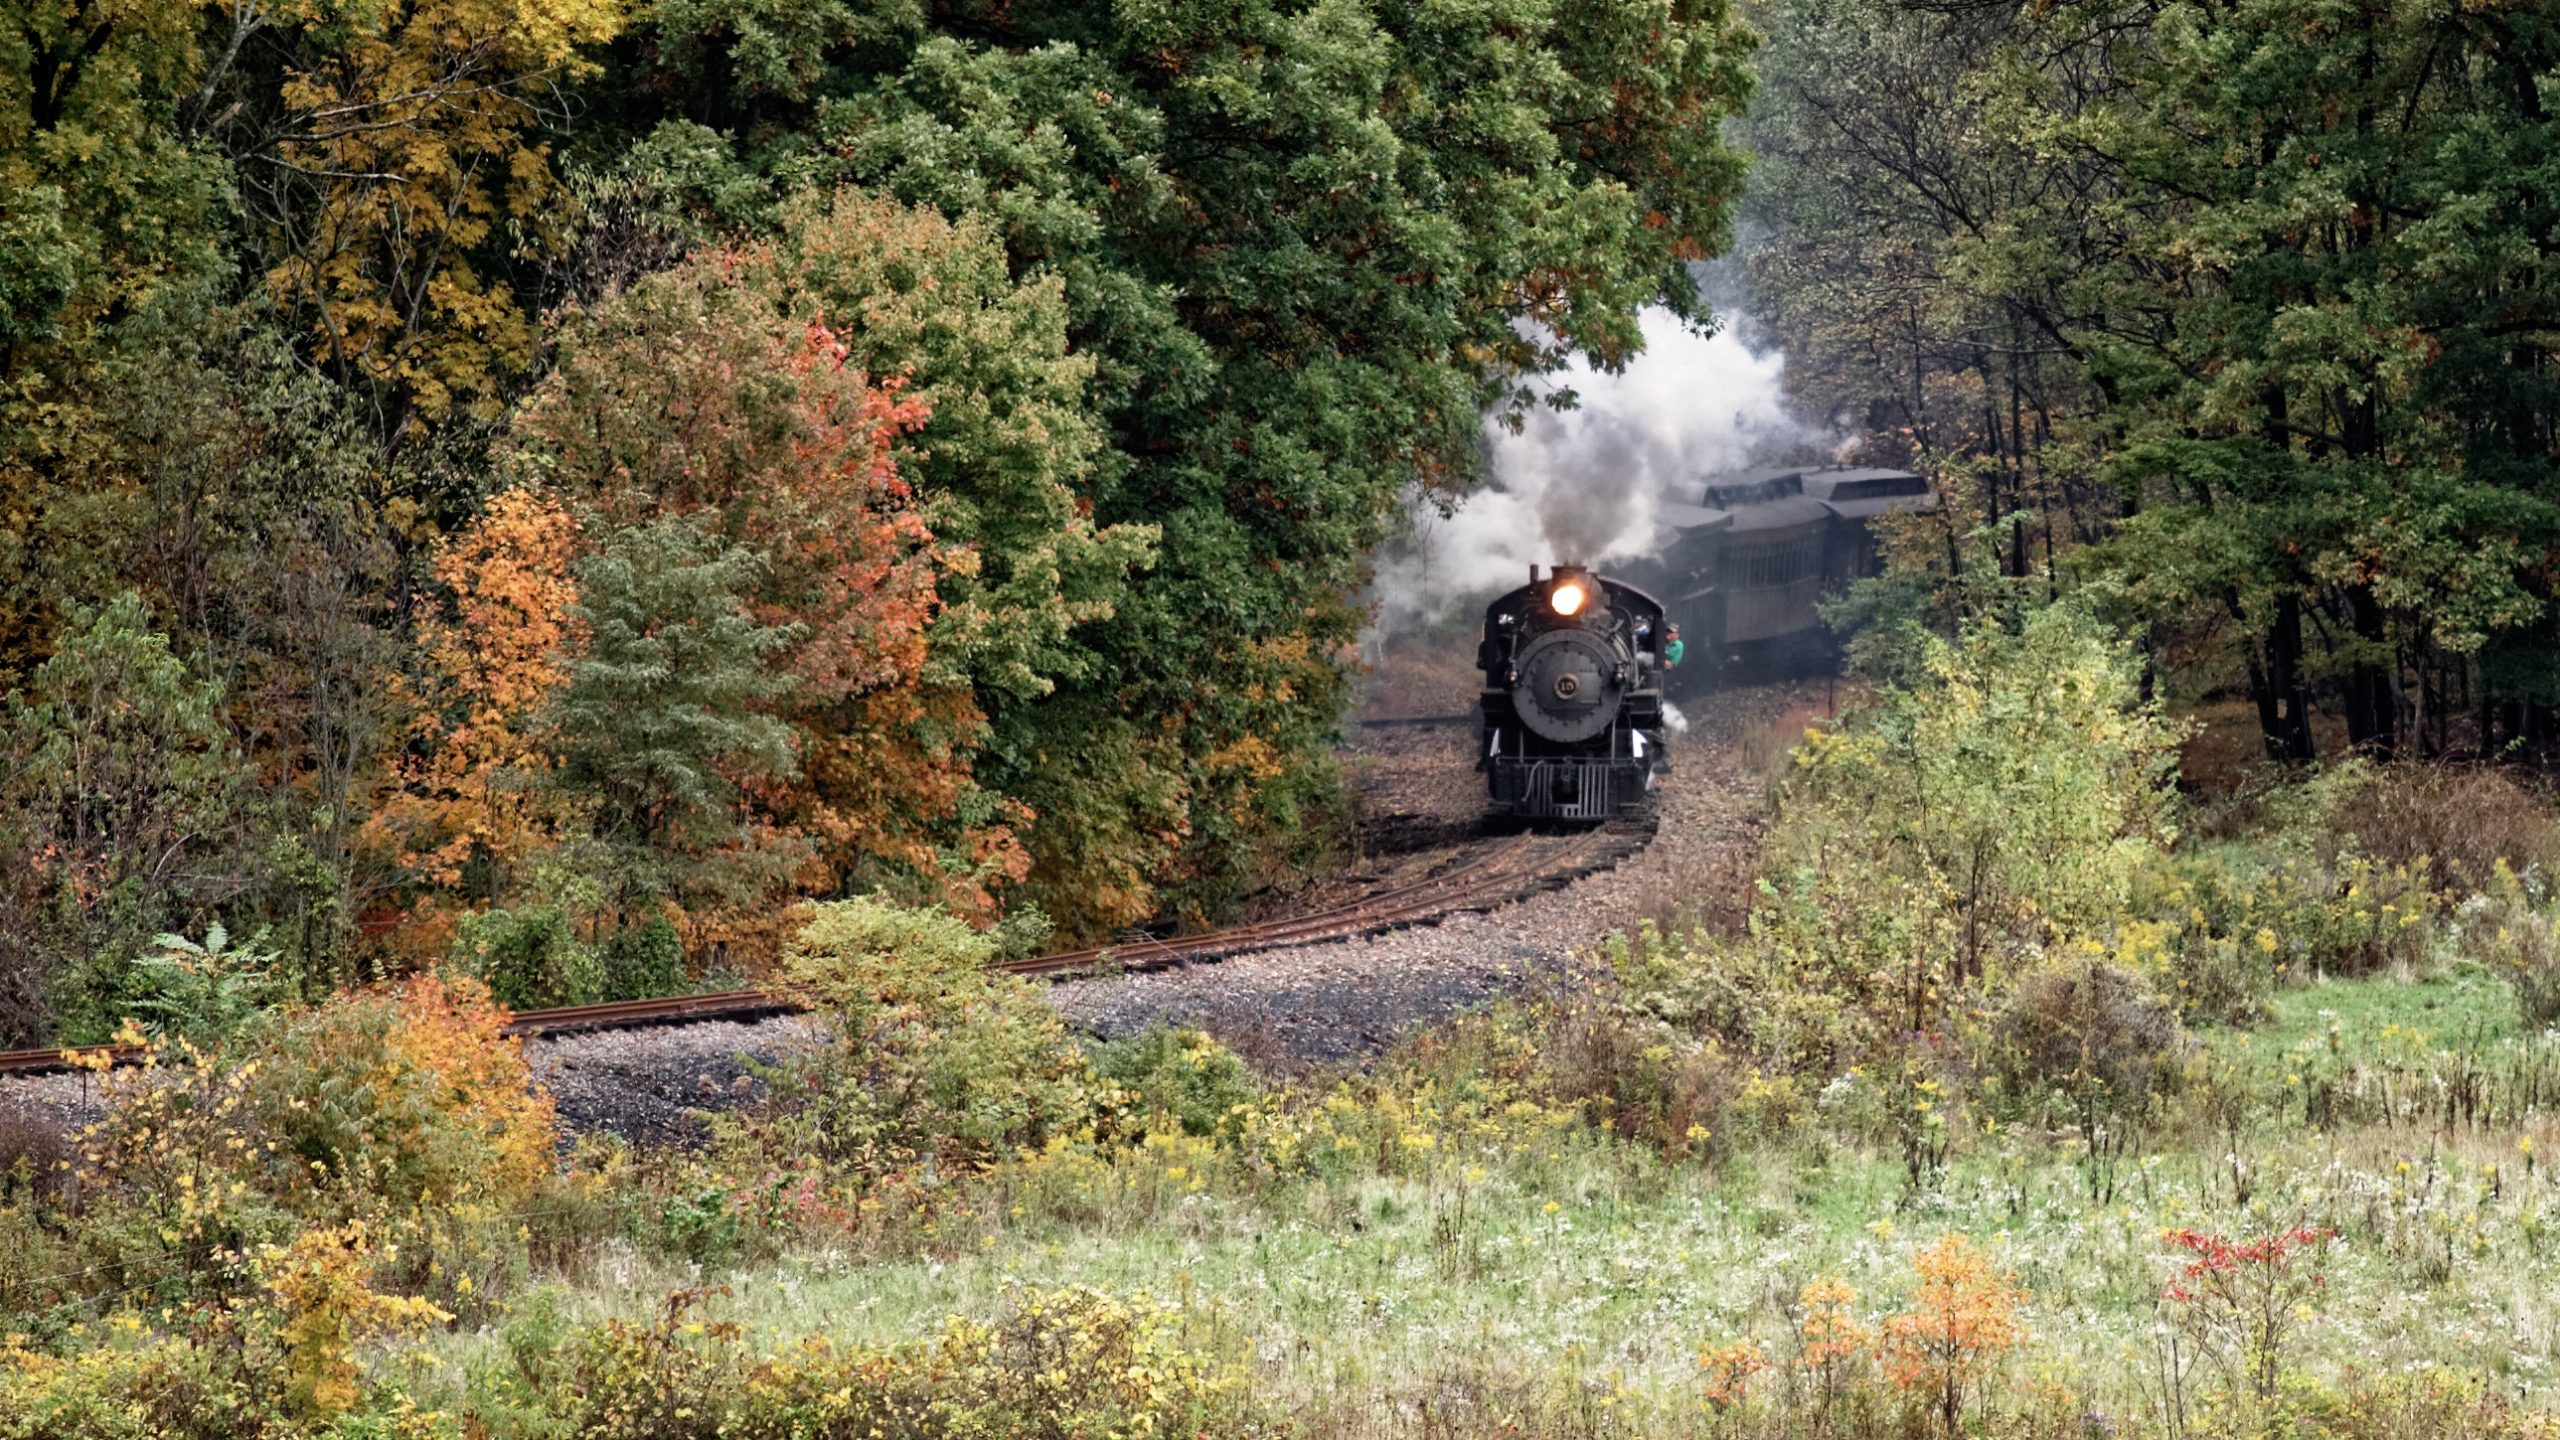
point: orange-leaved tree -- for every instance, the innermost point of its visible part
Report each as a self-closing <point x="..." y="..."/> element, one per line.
<point x="471" y="807"/>
<point x="1961" y="1322"/>
<point x="698" y="396"/>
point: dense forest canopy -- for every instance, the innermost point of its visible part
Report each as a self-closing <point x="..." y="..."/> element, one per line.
<point x="552" y="481"/>
<point x="2260" y="296"/>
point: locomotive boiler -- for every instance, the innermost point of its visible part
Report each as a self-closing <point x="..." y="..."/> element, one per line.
<point x="1573" y="722"/>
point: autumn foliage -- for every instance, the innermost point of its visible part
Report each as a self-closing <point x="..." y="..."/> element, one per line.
<point x="2243" y="1300"/>
<point x="694" y="398"/>
<point x="409" y="163"/>
<point x="493" y="657"/>
<point x="358" y="1108"/>
<point x="1961" y="1322"/>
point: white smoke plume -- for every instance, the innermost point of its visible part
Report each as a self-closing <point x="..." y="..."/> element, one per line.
<point x="1586" y="485"/>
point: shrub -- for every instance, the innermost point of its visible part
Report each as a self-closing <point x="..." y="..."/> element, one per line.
<point x="279" y="1360"/>
<point x="2513" y="926"/>
<point x="2242" y="1300"/>
<point x="932" y="1058"/>
<point x="1644" y="1079"/>
<point x="205" y="992"/>
<point x="406" y="1109"/>
<point x="857" y="957"/>
<point x="385" y="1098"/>
<point x="1055" y="1363"/>
<point x="1778" y="993"/>
<point x="165" y="1388"/>
<point x="2096" y="1039"/>
<point x="1182" y="1076"/>
<point x="530" y="957"/>
<point x="34" y="1153"/>
<point x="1834" y="1347"/>
<point x="1727" y="1372"/>
<point x="2012" y="793"/>
<point x="2462" y="824"/>
<point x="2089" y="1024"/>
<point x="2223" y="924"/>
<point x="644" y="960"/>
<point x="321" y="1287"/>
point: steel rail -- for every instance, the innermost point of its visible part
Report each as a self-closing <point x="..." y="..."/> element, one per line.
<point x="1494" y="876"/>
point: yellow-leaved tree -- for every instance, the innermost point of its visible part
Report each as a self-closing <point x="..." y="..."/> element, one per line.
<point x="401" y="176"/>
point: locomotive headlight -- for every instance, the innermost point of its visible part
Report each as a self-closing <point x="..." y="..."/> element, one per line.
<point x="1565" y="599"/>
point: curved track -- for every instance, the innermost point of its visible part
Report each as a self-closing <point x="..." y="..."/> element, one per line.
<point x="1507" y="867"/>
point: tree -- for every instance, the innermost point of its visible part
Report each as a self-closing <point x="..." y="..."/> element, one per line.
<point x="103" y="197"/>
<point x="2340" y="320"/>
<point x="1914" y="247"/>
<point x="106" y="206"/>
<point x="997" y="462"/>
<point x="2268" y="286"/>
<point x="249" y="503"/>
<point x="1298" y="245"/>
<point x="115" y="809"/>
<point x="393" y="166"/>
<point x="471" y="808"/>
<point x="698" y="393"/>
<point x="657" y="728"/>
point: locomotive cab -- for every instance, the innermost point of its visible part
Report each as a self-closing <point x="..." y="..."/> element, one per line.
<point x="1572" y="701"/>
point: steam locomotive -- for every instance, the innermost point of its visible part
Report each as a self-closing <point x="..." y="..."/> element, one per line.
<point x="1573" y="721"/>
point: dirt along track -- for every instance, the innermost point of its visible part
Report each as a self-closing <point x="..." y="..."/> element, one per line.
<point x="1438" y="912"/>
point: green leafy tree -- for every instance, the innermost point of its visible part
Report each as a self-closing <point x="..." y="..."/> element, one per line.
<point x="2340" y="324"/>
<point x="115" y="814"/>
<point x="1914" y="247"/>
<point x="1299" y="246"/>
<point x="2262" y="290"/>
<point x="659" y="727"/>
<point x="106" y="204"/>
<point x="104" y="196"/>
<point x="256" y="510"/>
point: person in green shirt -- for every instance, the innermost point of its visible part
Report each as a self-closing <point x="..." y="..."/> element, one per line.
<point x="1672" y="649"/>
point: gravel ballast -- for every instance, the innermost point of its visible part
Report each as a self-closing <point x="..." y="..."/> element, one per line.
<point x="1337" y="1001"/>
<point x="1285" y="1009"/>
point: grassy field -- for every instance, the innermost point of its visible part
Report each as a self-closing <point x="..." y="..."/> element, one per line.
<point x="1565" y="1273"/>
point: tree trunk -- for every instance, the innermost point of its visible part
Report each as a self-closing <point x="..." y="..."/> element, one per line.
<point x="2373" y="712"/>
<point x="2286" y="716"/>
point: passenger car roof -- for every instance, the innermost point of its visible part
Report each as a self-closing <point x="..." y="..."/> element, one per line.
<point x="1859" y="494"/>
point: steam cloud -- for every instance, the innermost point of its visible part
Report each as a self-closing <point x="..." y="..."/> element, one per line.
<point x="1586" y="485"/>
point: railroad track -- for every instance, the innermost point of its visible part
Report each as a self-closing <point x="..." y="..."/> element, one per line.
<point x="1510" y="868"/>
